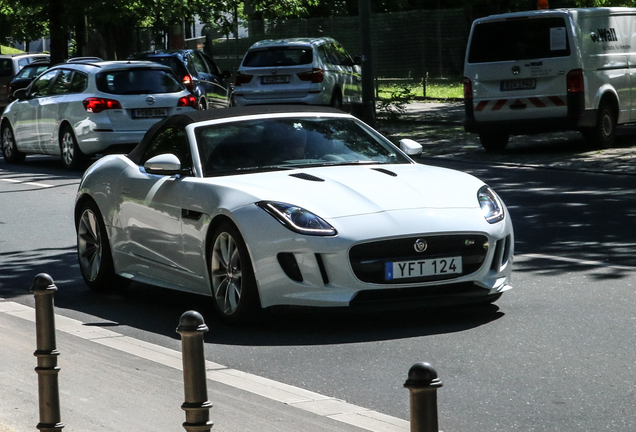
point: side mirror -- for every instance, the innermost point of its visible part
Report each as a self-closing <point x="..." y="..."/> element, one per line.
<point x="357" y="60"/>
<point x="165" y="164"/>
<point x="410" y="147"/>
<point x="20" y="94"/>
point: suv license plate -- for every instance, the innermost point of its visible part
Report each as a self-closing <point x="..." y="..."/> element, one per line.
<point x="275" y="79"/>
<point x="520" y="84"/>
<point x="150" y="112"/>
<point x="425" y="267"/>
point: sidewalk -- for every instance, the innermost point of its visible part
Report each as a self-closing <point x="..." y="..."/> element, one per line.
<point x="438" y="127"/>
<point x="116" y="383"/>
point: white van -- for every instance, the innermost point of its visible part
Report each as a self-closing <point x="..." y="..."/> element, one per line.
<point x="562" y="69"/>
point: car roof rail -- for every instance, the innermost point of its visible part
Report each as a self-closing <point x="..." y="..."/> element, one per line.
<point x="83" y="59"/>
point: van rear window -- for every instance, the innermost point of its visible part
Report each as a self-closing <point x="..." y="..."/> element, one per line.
<point x="519" y="39"/>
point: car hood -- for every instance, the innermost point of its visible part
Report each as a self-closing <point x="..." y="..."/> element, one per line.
<point x="341" y="191"/>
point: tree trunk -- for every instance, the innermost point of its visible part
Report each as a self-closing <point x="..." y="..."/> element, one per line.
<point x="59" y="49"/>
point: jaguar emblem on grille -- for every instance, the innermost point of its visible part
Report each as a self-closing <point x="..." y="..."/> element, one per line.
<point x="420" y="245"/>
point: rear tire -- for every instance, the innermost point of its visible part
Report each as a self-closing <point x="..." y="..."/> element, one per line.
<point x="336" y="99"/>
<point x="494" y="141"/>
<point x="9" y="146"/>
<point x="603" y="135"/>
<point x="72" y="156"/>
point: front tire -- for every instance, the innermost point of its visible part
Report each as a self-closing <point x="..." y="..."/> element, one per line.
<point x="494" y="141"/>
<point x="93" y="249"/>
<point x="72" y="156"/>
<point x="232" y="277"/>
<point x="9" y="146"/>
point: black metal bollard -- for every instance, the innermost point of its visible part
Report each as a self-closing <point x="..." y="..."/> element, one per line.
<point x="196" y="405"/>
<point x="49" y="394"/>
<point x="423" y="383"/>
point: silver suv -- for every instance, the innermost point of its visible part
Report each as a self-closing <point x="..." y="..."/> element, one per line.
<point x="10" y="65"/>
<point x="314" y="71"/>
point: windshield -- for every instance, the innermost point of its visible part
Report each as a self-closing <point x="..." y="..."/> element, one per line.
<point x="137" y="81"/>
<point x="519" y="39"/>
<point x="287" y="143"/>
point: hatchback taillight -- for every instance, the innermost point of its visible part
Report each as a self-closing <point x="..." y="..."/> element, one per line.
<point x="468" y="88"/>
<point x="189" y="100"/>
<point x="242" y="78"/>
<point x="96" y="105"/>
<point x="315" y="75"/>
<point x="575" y="81"/>
<point x="187" y="81"/>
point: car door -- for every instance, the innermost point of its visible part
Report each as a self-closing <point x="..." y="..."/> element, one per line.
<point x="350" y="78"/>
<point x="219" y="85"/>
<point x="26" y="127"/>
<point x="49" y="112"/>
<point x="150" y="214"/>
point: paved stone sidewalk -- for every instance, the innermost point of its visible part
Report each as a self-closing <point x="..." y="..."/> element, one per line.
<point x="438" y="127"/>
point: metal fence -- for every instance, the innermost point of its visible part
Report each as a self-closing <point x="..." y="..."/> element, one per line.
<point x="405" y="44"/>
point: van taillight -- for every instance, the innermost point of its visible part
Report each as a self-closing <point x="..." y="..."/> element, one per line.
<point x="242" y="78"/>
<point x="315" y="75"/>
<point x="576" y="83"/>
<point x="96" y="105"/>
<point x="468" y="88"/>
<point x="187" y="81"/>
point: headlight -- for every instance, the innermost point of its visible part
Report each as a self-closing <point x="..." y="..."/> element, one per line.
<point x="491" y="206"/>
<point x="298" y="219"/>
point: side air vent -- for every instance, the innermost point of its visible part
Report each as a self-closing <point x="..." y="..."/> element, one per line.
<point x="385" y="171"/>
<point x="309" y="177"/>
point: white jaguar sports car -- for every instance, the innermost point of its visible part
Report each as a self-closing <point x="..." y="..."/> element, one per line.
<point x="290" y="206"/>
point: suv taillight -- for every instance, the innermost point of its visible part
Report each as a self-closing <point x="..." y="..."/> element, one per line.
<point x="576" y="83"/>
<point x="242" y="78"/>
<point x="468" y="88"/>
<point x="96" y="105"/>
<point x="189" y="100"/>
<point x="315" y="75"/>
<point x="187" y="81"/>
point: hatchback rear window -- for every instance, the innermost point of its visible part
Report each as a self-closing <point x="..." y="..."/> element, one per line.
<point x="278" y="57"/>
<point x="137" y="81"/>
<point x="519" y="39"/>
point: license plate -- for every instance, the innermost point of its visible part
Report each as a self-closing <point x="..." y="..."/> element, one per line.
<point x="520" y="84"/>
<point x="150" y="112"/>
<point x="275" y="79"/>
<point x="425" y="267"/>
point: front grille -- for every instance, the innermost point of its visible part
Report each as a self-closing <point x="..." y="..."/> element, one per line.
<point x="368" y="260"/>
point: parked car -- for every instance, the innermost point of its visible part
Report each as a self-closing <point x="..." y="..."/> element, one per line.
<point x="198" y="72"/>
<point x="550" y="70"/>
<point x="27" y="74"/>
<point x="10" y="65"/>
<point x="267" y="206"/>
<point x="79" y="109"/>
<point x="316" y="71"/>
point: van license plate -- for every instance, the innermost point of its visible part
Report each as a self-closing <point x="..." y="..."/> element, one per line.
<point x="520" y="84"/>
<point x="150" y="112"/>
<point x="425" y="267"/>
<point x="275" y="79"/>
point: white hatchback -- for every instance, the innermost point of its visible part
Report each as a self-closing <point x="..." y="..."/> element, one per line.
<point x="313" y="71"/>
<point x="85" y="108"/>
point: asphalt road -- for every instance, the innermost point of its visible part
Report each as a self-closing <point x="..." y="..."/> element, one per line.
<point x="555" y="353"/>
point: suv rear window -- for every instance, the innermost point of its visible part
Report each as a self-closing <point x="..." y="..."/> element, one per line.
<point x="519" y="39"/>
<point x="137" y="81"/>
<point x="278" y="57"/>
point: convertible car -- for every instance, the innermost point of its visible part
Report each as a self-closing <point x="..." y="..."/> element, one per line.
<point x="290" y="206"/>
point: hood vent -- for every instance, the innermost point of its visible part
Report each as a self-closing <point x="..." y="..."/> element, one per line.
<point x="385" y="171"/>
<point x="309" y="177"/>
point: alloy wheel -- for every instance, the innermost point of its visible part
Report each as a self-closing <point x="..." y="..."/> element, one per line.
<point x="227" y="277"/>
<point x="68" y="148"/>
<point x="7" y="142"/>
<point x="89" y="245"/>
